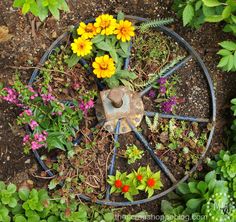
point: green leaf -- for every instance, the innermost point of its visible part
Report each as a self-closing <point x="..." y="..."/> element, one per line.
<point x="112" y="82"/>
<point x="166" y="207"/>
<point x="18" y="3"/>
<point x="25" y="8"/>
<point x="125" y="74"/>
<point x="24" y="194"/>
<point x="188" y="14"/>
<point x="108" y="217"/>
<point x="120" y="16"/>
<point x="125" y="47"/>
<point x="210" y="176"/>
<point x="19" y="218"/>
<point x="224" y="52"/>
<point x="193" y="187"/>
<point x="104" y="46"/>
<point x="211" y="3"/>
<point x="230" y="64"/>
<point x="72" y="61"/>
<point x="198" y="5"/>
<point x="223" y="62"/>
<point x="54" y="10"/>
<point x="183" y="188"/>
<point x="34" y="8"/>
<point x="235" y="59"/>
<point x="194" y="203"/>
<point x="11" y="188"/>
<point x="63" y="5"/>
<point x="214" y="18"/>
<point x="114" y="55"/>
<point x="229" y="45"/>
<point x="97" y="39"/>
<point x="13" y="202"/>
<point x="202" y="186"/>
<point x="43" y="11"/>
<point x="226" y="12"/>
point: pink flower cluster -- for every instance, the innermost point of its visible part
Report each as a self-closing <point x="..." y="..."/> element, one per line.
<point x="26" y="112"/>
<point x="35" y="94"/>
<point x="38" y="142"/>
<point x="12" y="96"/>
<point x="85" y="106"/>
<point x="47" y="97"/>
<point x="33" y="124"/>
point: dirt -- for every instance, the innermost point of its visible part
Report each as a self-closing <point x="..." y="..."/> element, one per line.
<point x="25" y="49"/>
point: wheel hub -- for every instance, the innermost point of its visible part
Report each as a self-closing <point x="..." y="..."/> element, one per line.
<point x="119" y="104"/>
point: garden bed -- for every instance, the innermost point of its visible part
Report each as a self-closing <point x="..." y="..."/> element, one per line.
<point x="222" y="83"/>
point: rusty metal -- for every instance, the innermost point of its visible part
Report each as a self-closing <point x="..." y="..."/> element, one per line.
<point x="118" y="104"/>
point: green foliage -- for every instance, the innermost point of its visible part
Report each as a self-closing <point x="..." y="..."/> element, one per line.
<point x="233" y="126"/>
<point x="36" y="205"/>
<point x="211" y="199"/>
<point x="195" y="12"/>
<point x="152" y="126"/>
<point x="228" y="53"/>
<point x="154" y="23"/>
<point x="129" y="184"/>
<point x="41" y="8"/>
<point x="225" y="166"/>
<point x="133" y="153"/>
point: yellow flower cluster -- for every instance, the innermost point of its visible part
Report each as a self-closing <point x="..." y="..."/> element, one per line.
<point x="104" y="24"/>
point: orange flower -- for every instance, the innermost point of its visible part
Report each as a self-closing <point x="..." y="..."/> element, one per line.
<point x="87" y="31"/>
<point x="124" y="30"/>
<point x="104" y="67"/>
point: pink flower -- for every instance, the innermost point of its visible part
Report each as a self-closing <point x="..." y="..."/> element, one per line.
<point x="35" y="145"/>
<point x="89" y="104"/>
<point x="39" y="137"/>
<point x="12" y="96"/>
<point x="28" y="112"/>
<point x="47" y="97"/>
<point x="33" y="124"/>
<point x="45" y="133"/>
<point x="25" y="139"/>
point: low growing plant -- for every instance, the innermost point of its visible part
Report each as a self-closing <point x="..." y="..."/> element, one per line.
<point x="133" y="153"/>
<point x="36" y="205"/>
<point x="52" y="124"/>
<point x="129" y="184"/>
<point x="197" y="12"/>
<point x="41" y="8"/>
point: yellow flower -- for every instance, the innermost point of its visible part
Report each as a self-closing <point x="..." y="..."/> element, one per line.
<point x="81" y="46"/>
<point x="104" y="67"/>
<point x="87" y="31"/>
<point x="106" y="24"/>
<point x="124" y="30"/>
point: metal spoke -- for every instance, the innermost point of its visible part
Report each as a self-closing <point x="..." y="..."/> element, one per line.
<point x="151" y="152"/>
<point x="167" y="74"/>
<point x="112" y="167"/>
<point x="169" y="116"/>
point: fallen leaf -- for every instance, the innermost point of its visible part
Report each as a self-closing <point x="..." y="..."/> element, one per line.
<point x="4" y="34"/>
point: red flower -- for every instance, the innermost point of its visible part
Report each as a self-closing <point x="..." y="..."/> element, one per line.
<point x="139" y="177"/>
<point x="125" y="188"/>
<point x="118" y="184"/>
<point x="151" y="182"/>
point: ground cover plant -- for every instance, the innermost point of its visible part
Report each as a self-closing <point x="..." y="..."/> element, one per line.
<point x="197" y="12"/>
